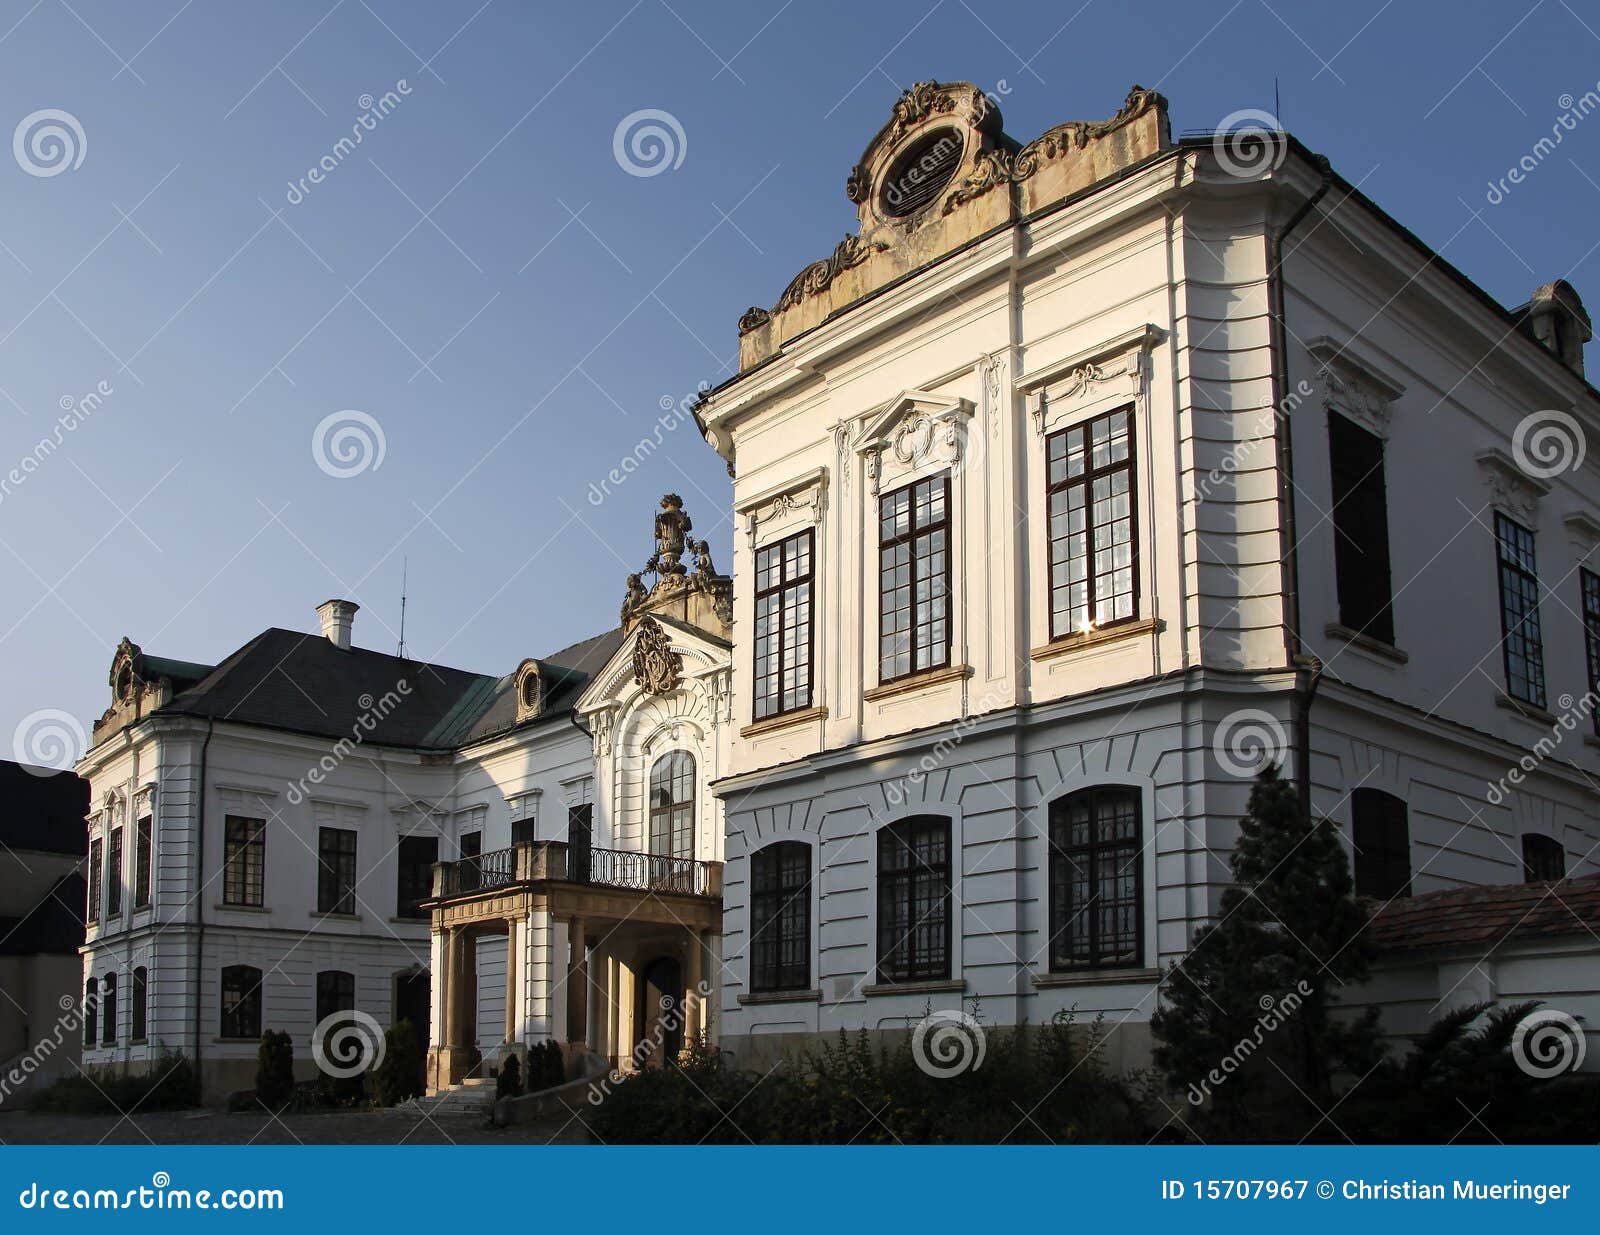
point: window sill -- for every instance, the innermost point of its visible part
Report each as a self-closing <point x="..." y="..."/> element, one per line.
<point x="241" y="909"/>
<point x="138" y="1041"/>
<point x="1067" y="644"/>
<point x="936" y="987"/>
<point x="235" y="1041"/>
<point x="1094" y="977"/>
<point x="783" y="720"/>
<point x="918" y="681"/>
<point x="1365" y="643"/>
<point x="759" y="997"/>
<point x="415" y="920"/>
<point x="1525" y="710"/>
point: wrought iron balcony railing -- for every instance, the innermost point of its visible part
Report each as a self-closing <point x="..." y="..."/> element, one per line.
<point x="531" y="861"/>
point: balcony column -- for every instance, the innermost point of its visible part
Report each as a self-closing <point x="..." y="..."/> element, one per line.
<point x="691" y="991"/>
<point x="577" y="983"/>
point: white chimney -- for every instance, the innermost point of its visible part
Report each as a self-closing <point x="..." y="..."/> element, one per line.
<point x="337" y="618"/>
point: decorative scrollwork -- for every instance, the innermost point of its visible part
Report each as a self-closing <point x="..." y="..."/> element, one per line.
<point x="817" y="277"/>
<point x="656" y="666"/>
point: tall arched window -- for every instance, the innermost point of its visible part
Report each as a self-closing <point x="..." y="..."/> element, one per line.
<point x="91" y="1011"/>
<point x="672" y="805"/>
<point x="140" y="1009"/>
<point x="780" y="917"/>
<point x="1543" y="858"/>
<point x="914" y="900"/>
<point x="1381" y="833"/>
<point x="1096" y="888"/>
<point x="108" y="1010"/>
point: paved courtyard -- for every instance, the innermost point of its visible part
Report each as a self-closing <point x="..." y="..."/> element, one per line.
<point x="205" y="1127"/>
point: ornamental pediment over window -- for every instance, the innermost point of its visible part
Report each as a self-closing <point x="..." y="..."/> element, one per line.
<point x="914" y="429"/>
<point x="1092" y="380"/>
<point x="1354" y="384"/>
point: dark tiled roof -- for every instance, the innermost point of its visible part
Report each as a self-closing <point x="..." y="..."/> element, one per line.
<point x="1488" y="916"/>
<point x="54" y="925"/>
<point x="43" y="810"/>
<point x="566" y="673"/>
<point x="285" y="679"/>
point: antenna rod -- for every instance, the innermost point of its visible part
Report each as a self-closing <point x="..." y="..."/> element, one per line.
<point x="405" y="565"/>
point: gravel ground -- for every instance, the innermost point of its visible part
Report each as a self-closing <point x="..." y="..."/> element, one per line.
<point x="218" y="1128"/>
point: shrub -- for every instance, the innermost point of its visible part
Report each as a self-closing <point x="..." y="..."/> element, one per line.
<point x="171" y="1084"/>
<point x="402" y="1074"/>
<point x="275" y="1069"/>
<point x="547" y="1066"/>
<point x="508" y="1084"/>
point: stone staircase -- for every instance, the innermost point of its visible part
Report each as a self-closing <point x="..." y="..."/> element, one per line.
<point x="472" y="1099"/>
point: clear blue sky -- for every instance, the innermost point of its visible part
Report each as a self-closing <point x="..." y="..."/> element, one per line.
<point x="483" y="279"/>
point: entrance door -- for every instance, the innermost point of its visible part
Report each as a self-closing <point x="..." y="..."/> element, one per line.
<point x="660" y="1016"/>
<point x="412" y="1002"/>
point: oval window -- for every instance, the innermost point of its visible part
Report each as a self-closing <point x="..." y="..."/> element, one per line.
<point x="915" y="178"/>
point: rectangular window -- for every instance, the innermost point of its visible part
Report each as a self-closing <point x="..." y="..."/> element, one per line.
<point x="244" y="857"/>
<point x="914" y="900"/>
<point x="580" y="842"/>
<point x="914" y="579"/>
<point x="114" y="874"/>
<point x="336" y="871"/>
<point x="417" y="856"/>
<point x="1360" y="529"/>
<point x="1519" y="611"/>
<point x="1382" y="836"/>
<point x="140" y="1009"/>
<point x="1094" y="577"/>
<point x="241" y="1002"/>
<point x="92" y="911"/>
<point x="336" y="992"/>
<point x="783" y="626"/>
<point x="108" y="1010"/>
<point x="1096" y="907"/>
<point x="780" y="917"/>
<point x="1543" y="858"/>
<point x="143" y="857"/>
<point x="1591" y="633"/>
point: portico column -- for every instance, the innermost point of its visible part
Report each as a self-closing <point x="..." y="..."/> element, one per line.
<point x="462" y="984"/>
<point x="513" y="963"/>
<point x="691" y="990"/>
<point x="577" y="984"/>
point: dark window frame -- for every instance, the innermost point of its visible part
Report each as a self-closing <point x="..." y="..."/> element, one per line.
<point x="91" y="1012"/>
<point x="244" y="861"/>
<point x="336" y="992"/>
<point x="791" y="592"/>
<point x="144" y="859"/>
<point x="917" y="571"/>
<point x="906" y="951"/>
<point x="1057" y="551"/>
<point x="240" y="1019"/>
<point x="108" y="1010"/>
<point x="676" y="808"/>
<point x="1380" y="835"/>
<point x="780" y="917"/>
<point x="1544" y="858"/>
<point x="1105" y="859"/>
<point x="139" y="1005"/>
<point x="337" y="850"/>
<point x="114" y="873"/>
<point x="96" y="854"/>
<point x="1362" y="565"/>
<point x="1589" y="582"/>
<point x="1522" y="638"/>
<point x="412" y="876"/>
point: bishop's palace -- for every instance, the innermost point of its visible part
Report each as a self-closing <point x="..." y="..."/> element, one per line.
<point x="1088" y="475"/>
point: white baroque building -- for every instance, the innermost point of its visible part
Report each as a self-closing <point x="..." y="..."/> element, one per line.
<point x="1089" y="475"/>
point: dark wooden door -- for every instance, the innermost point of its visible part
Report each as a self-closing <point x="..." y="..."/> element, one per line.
<point x="660" y="1018"/>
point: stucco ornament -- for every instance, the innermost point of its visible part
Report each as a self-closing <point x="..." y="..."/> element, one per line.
<point x="672" y="533"/>
<point x="656" y="666"/>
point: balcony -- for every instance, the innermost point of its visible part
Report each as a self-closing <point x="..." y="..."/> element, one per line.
<point x="531" y="862"/>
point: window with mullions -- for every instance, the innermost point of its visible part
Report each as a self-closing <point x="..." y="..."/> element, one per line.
<point x="914" y="579"/>
<point x="1519" y="611"/>
<point x="780" y="917"/>
<point x="414" y="878"/>
<point x="114" y="874"/>
<point x="783" y="626"/>
<point x="241" y="1002"/>
<point x="1360" y="529"/>
<point x="1544" y="858"/>
<point x="672" y="805"/>
<point x="336" y="992"/>
<point x="336" y="871"/>
<point x="1591" y="631"/>
<point x="244" y="853"/>
<point x="93" y="913"/>
<point x="1381" y="833"/>
<point x="1094" y="577"/>
<point x="143" y="854"/>
<point x="1096" y="883"/>
<point x="108" y="1010"/>
<point x="91" y="1011"/>
<point x="914" y="900"/>
<point x="140" y="1008"/>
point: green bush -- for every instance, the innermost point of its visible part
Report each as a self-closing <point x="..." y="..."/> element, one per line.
<point x="275" y="1069"/>
<point x="171" y="1084"/>
<point x="547" y="1066"/>
<point x="1031" y="1085"/>
<point x="402" y="1074"/>
<point x="508" y="1083"/>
